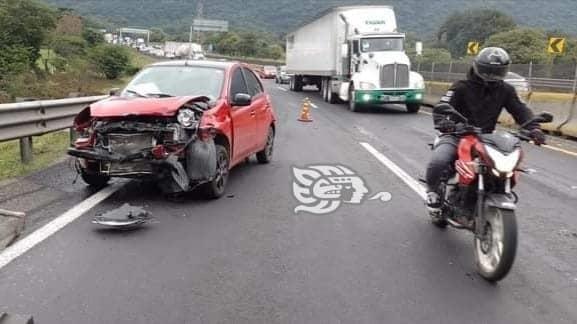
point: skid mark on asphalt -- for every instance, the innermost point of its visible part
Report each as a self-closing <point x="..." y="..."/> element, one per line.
<point x="27" y="243"/>
<point x="404" y="176"/>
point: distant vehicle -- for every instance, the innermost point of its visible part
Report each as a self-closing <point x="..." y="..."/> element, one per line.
<point x="520" y="84"/>
<point x="281" y="75"/>
<point x="269" y="72"/>
<point x="355" y="54"/>
<point x="184" y="124"/>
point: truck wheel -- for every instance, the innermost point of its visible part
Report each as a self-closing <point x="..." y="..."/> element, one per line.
<point x="298" y="84"/>
<point x="413" y="108"/>
<point x="353" y="106"/>
<point x="331" y="96"/>
<point x="324" y="89"/>
<point x="292" y="84"/>
<point x="215" y="188"/>
<point x="94" y="180"/>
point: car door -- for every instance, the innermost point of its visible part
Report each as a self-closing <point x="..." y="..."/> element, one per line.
<point x="243" y="119"/>
<point x="261" y="106"/>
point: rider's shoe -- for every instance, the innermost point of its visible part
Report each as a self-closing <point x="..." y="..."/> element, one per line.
<point x="434" y="204"/>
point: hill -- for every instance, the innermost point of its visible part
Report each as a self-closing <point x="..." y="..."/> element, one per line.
<point x="422" y="17"/>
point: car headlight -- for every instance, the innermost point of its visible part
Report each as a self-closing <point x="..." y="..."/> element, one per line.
<point x="186" y="117"/>
<point x="367" y="86"/>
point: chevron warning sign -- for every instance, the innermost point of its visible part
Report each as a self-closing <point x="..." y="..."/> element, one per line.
<point x="473" y="48"/>
<point x="556" y="45"/>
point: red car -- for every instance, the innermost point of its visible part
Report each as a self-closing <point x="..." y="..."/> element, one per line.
<point x="269" y="72"/>
<point x="184" y="124"/>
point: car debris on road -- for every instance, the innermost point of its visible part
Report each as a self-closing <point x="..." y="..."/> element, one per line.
<point x="126" y="216"/>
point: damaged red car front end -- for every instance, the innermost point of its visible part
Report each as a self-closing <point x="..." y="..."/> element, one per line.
<point x="139" y="138"/>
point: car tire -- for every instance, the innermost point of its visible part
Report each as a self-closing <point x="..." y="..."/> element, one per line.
<point x="413" y="108"/>
<point x="94" y="180"/>
<point x="265" y="156"/>
<point x="216" y="187"/>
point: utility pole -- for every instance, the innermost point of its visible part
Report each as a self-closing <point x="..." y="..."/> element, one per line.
<point x="199" y="15"/>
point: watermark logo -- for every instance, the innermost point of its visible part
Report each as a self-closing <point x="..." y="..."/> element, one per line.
<point x="322" y="189"/>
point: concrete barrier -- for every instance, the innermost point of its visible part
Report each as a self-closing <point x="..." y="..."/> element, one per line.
<point x="570" y="127"/>
<point x="563" y="108"/>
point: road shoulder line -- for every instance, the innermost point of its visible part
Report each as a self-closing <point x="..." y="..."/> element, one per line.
<point x="28" y="242"/>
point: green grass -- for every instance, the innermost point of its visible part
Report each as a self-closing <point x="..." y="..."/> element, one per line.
<point x="47" y="149"/>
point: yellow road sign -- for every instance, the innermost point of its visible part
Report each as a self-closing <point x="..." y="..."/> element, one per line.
<point x="473" y="48"/>
<point x="556" y="45"/>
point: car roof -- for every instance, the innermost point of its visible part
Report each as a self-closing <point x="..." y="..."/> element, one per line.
<point x="203" y="63"/>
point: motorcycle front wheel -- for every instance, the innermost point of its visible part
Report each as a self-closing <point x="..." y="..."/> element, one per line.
<point x="496" y="247"/>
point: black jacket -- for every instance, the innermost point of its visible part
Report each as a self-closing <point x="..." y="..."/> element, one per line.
<point x="482" y="102"/>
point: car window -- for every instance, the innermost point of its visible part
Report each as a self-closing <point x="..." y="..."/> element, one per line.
<point x="254" y="86"/>
<point x="237" y="84"/>
<point x="177" y="81"/>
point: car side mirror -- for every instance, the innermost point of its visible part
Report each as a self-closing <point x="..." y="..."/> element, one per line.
<point x="242" y="99"/>
<point x="114" y="92"/>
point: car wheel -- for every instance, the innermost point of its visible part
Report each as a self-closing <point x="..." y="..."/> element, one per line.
<point x="265" y="156"/>
<point x="94" y="180"/>
<point x="215" y="188"/>
<point x="413" y="108"/>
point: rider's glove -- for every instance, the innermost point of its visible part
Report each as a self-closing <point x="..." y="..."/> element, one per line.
<point x="537" y="136"/>
<point x="446" y="126"/>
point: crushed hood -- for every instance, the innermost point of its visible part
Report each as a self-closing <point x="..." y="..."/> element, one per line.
<point x="128" y="106"/>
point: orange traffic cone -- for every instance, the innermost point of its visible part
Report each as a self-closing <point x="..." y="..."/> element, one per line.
<point x="305" y="111"/>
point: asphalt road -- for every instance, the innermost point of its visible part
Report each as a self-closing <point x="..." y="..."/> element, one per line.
<point x="248" y="258"/>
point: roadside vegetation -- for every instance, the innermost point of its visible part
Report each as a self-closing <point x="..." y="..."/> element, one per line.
<point x="49" y="53"/>
<point x="491" y="28"/>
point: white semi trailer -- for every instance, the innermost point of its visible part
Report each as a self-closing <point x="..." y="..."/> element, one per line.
<point x="354" y="54"/>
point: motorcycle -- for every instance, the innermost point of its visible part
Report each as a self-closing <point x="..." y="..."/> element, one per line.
<point x="479" y="196"/>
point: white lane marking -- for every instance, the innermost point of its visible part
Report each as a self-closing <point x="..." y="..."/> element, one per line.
<point x="27" y="243"/>
<point x="282" y="89"/>
<point x="314" y="106"/>
<point x="554" y="148"/>
<point x="425" y="113"/>
<point x="407" y="179"/>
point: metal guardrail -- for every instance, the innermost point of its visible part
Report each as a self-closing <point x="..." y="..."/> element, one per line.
<point x="31" y="118"/>
<point x="22" y="120"/>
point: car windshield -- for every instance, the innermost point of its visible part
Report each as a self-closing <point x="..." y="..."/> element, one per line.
<point x="381" y="44"/>
<point x="165" y="81"/>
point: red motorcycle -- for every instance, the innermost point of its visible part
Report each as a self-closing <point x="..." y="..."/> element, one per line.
<point x="479" y="197"/>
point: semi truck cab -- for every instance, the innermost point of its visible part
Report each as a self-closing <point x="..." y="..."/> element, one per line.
<point x="380" y="72"/>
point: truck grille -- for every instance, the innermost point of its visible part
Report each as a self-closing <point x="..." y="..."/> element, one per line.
<point x="394" y="76"/>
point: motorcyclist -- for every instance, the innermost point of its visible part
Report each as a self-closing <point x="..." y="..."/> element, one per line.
<point x="480" y="98"/>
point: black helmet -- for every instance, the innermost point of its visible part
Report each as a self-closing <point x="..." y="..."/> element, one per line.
<point x="492" y="64"/>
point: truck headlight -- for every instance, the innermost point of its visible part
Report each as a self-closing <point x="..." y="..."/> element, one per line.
<point x="367" y="86"/>
<point x="186" y="117"/>
<point x="418" y="84"/>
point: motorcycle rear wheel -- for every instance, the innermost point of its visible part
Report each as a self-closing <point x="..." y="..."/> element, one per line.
<point x="495" y="250"/>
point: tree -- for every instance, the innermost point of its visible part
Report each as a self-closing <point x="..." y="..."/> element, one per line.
<point x="460" y="28"/>
<point x="25" y="24"/>
<point x="110" y="60"/>
<point x="157" y="35"/>
<point x="523" y="44"/>
<point x="92" y="37"/>
<point x="69" y="46"/>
